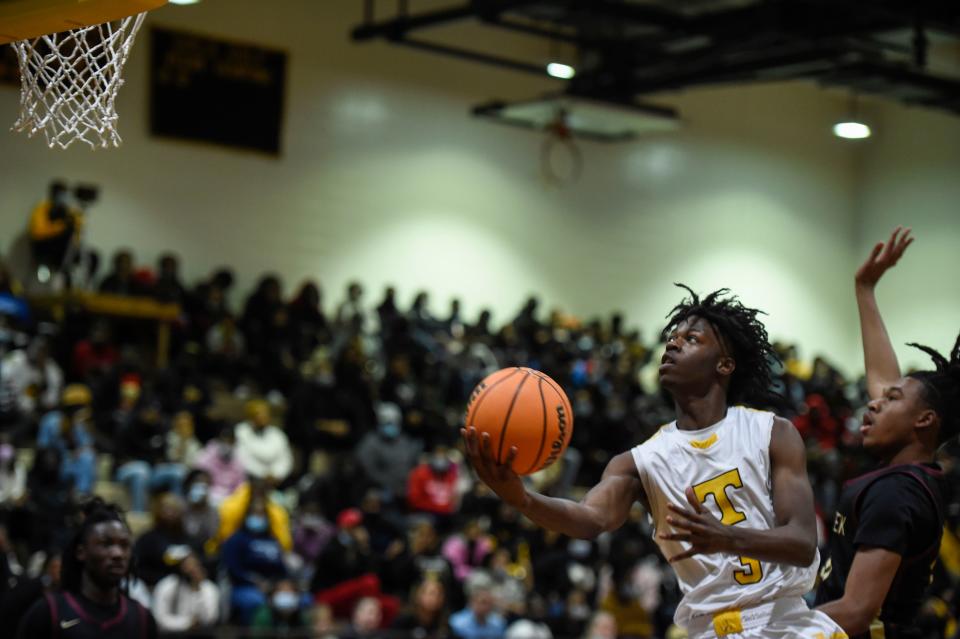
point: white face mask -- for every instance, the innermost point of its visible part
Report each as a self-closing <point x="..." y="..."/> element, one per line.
<point x="197" y="493"/>
<point x="285" y="601"/>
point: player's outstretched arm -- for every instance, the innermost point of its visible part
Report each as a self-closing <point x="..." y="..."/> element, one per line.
<point x="605" y="507"/>
<point x="792" y="541"/>
<point x="868" y="582"/>
<point x="878" y="354"/>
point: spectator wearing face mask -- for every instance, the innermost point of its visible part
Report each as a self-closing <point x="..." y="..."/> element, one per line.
<point x="432" y="486"/>
<point x="219" y="460"/>
<point x="263" y="448"/>
<point x="200" y="520"/>
<point x="253" y="559"/>
<point x="234" y="509"/>
<point x="387" y="455"/>
<point x="186" y="600"/>
<point x="283" y="613"/>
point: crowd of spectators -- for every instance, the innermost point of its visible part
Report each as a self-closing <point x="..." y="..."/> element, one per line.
<point x="298" y="471"/>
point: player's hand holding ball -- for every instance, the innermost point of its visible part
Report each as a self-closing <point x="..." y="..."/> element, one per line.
<point x="499" y="477"/>
<point x="518" y="422"/>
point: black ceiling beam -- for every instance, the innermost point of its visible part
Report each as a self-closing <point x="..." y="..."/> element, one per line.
<point x="473" y="56"/>
<point x="763" y="45"/>
<point x="769" y="40"/>
<point x="581" y="39"/>
<point x="396" y="28"/>
<point x="529" y="29"/>
<point x="940" y="15"/>
<point x="638" y="14"/>
<point x="744" y="70"/>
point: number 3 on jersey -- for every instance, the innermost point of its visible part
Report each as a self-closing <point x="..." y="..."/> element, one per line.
<point x="729" y="515"/>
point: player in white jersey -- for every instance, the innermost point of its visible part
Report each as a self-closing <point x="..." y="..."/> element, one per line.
<point x="726" y="486"/>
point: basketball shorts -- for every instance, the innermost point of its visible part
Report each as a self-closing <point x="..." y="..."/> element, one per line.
<point x="787" y="618"/>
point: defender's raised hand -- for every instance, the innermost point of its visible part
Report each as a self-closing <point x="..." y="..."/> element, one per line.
<point x="882" y="257"/>
<point x="879" y="356"/>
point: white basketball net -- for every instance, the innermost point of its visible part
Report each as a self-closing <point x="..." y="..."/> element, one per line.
<point x="70" y="82"/>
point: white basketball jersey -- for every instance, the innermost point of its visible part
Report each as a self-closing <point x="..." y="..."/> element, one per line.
<point x="728" y="466"/>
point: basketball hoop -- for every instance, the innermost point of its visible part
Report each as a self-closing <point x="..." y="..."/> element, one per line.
<point x="70" y="82"/>
<point x="560" y="159"/>
<point x="71" y="55"/>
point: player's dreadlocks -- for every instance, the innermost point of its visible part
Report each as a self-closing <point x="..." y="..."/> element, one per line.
<point x="742" y="333"/>
<point x="95" y="511"/>
<point x="941" y="388"/>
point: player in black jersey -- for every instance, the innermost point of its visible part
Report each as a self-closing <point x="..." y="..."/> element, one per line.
<point x="885" y="535"/>
<point x="91" y="604"/>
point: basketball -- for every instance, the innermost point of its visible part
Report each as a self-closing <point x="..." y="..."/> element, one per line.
<point x="524" y="408"/>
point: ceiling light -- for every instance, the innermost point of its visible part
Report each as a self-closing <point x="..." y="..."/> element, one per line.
<point x="560" y="70"/>
<point x="184" y="1"/>
<point x="851" y="130"/>
<point x="851" y="126"/>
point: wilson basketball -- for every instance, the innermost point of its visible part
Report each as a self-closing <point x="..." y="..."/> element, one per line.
<point x="524" y="408"/>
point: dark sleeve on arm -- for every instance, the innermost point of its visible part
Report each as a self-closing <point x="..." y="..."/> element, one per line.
<point x="36" y="623"/>
<point x="896" y="514"/>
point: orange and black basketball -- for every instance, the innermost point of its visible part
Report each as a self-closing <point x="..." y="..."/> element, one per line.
<point x="524" y="408"/>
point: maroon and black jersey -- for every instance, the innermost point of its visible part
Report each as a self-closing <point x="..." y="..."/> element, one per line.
<point x="898" y="508"/>
<point x="65" y="615"/>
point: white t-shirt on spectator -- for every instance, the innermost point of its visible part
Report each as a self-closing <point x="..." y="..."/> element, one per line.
<point x="265" y="453"/>
<point x="13" y="483"/>
<point x="19" y="374"/>
<point x="176" y="606"/>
